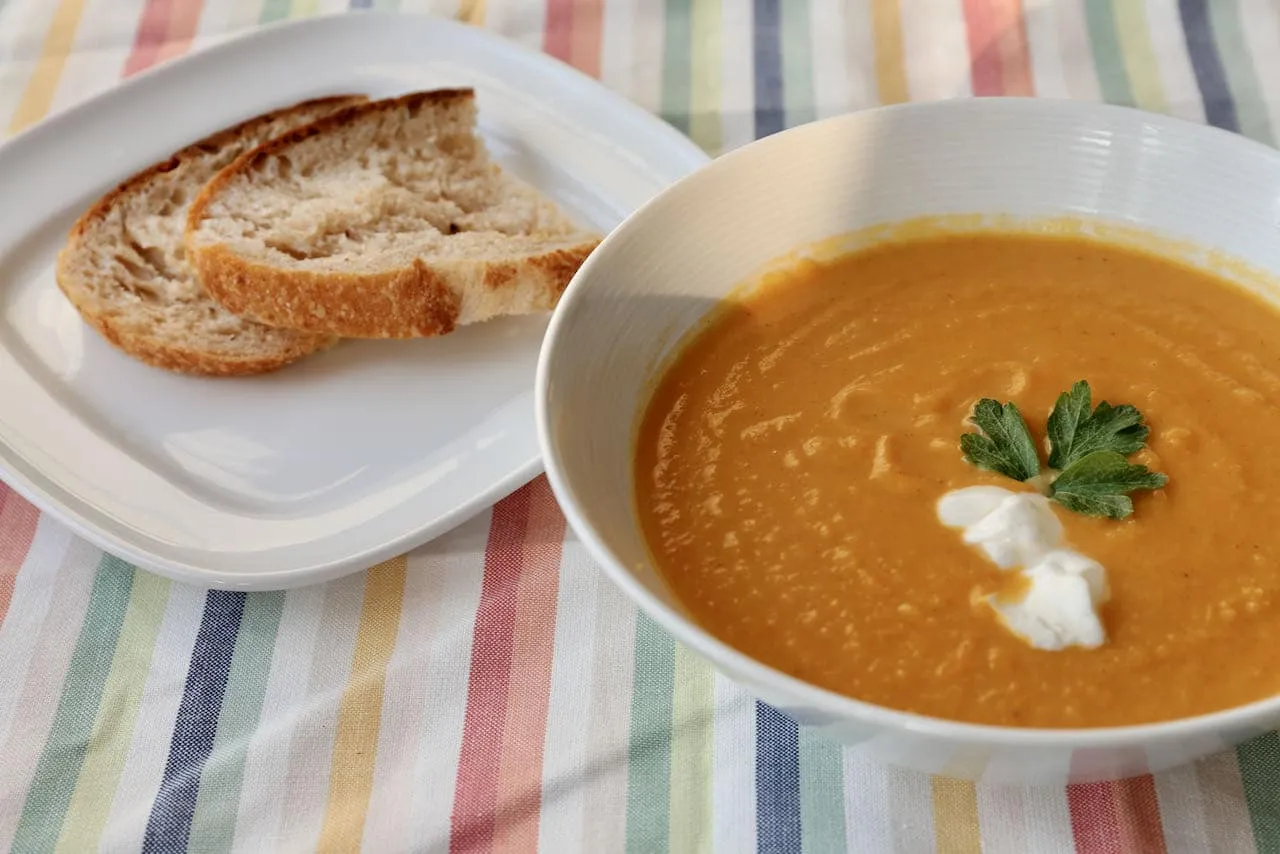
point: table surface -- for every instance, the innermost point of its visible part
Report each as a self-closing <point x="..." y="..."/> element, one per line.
<point x="491" y="691"/>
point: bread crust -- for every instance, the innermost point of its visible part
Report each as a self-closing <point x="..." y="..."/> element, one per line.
<point x="413" y="302"/>
<point x="151" y="349"/>
<point x="187" y="360"/>
<point x="418" y="300"/>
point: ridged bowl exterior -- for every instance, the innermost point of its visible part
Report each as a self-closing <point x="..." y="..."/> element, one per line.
<point x="660" y="272"/>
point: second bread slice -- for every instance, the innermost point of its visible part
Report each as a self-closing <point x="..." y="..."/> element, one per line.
<point x="384" y="220"/>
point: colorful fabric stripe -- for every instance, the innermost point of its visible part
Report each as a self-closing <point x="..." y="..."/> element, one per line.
<point x="355" y="745"/>
<point x="117" y="714"/>
<point x="822" y="795"/>
<point x="1211" y="77"/>
<point x="691" y="92"/>
<point x="153" y="31"/>
<point x="1116" y="816"/>
<point x="1228" y="30"/>
<point x="798" y="99"/>
<point x="64" y="751"/>
<point x="692" y="751"/>
<point x="891" y="72"/>
<point x="218" y="800"/>
<point x="999" y="63"/>
<point x="677" y="65"/>
<point x="573" y="33"/>
<point x="40" y="86"/>
<point x="1108" y="56"/>
<point x="1138" y="57"/>
<point x="649" y="747"/>
<point x="778" y="828"/>
<point x="274" y="10"/>
<point x="705" y="72"/>
<point x="1258" y="760"/>
<point x="476" y="800"/>
<point x="193" y="732"/>
<point x="770" y="111"/>
<point x="17" y="529"/>
<point x="497" y="795"/>
<point x="492" y="691"/>
<point x="955" y="816"/>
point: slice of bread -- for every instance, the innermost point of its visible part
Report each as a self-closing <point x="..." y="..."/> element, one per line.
<point x="384" y="220"/>
<point x="124" y="266"/>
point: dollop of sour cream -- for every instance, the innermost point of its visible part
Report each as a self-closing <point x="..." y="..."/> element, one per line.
<point x="1019" y="531"/>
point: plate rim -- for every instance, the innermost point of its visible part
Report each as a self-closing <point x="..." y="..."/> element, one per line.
<point x="47" y="495"/>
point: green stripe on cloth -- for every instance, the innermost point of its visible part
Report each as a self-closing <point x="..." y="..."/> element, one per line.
<point x="1237" y="62"/>
<point x="798" y="100"/>
<point x="649" y="752"/>
<point x="704" y="75"/>
<point x="63" y="756"/>
<point x="1259" y="760"/>
<point x="274" y="10"/>
<point x="214" y="823"/>
<point x="821" y="794"/>
<point x="677" y="41"/>
<point x="1108" y="56"/>
<point x="691" y="753"/>
<point x="1140" y="61"/>
<point x="117" y="714"/>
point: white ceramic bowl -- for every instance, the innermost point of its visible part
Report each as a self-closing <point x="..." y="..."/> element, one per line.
<point x="663" y="268"/>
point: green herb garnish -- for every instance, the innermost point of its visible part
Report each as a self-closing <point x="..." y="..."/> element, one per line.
<point x="1088" y="470"/>
<point x="1004" y="445"/>
<point x="1098" y="484"/>
<point x="1075" y="432"/>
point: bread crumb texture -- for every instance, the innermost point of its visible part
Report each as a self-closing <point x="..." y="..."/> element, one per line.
<point x="383" y="219"/>
<point x="125" y="269"/>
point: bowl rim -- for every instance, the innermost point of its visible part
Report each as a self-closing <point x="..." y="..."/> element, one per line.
<point x="1249" y="716"/>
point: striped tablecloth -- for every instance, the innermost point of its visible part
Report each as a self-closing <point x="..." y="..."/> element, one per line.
<point x="491" y="692"/>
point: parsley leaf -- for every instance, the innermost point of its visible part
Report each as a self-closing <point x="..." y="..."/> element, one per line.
<point x="1098" y="484"/>
<point x="1004" y="445"/>
<point x="1075" y="432"/>
<point x="1087" y="450"/>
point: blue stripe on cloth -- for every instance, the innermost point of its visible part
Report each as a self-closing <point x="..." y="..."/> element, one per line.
<point x="170" y="822"/>
<point x="777" y="782"/>
<point x="1211" y="78"/>
<point x="767" y="50"/>
<point x="360" y="4"/>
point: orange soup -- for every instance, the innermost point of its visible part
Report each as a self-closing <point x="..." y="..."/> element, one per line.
<point x="790" y="464"/>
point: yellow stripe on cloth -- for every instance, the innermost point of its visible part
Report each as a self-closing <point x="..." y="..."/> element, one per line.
<point x="955" y="816"/>
<point x="38" y="96"/>
<point x="355" y="747"/>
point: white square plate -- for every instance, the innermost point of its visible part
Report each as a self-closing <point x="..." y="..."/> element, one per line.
<point x="345" y="458"/>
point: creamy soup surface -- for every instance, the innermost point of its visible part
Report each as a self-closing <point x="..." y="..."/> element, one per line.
<point x="789" y="465"/>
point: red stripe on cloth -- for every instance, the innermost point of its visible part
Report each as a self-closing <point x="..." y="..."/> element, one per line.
<point x="480" y="758"/>
<point x="1116" y="817"/>
<point x="999" y="61"/>
<point x="153" y="29"/>
<point x="1138" y="808"/>
<point x="498" y="793"/>
<point x="183" y="21"/>
<point x="557" y="35"/>
<point x="1094" y="822"/>
<point x="986" y="68"/>
<point x="18" y="520"/>
<point x="520" y="778"/>
<point x="1015" y="51"/>
<point x="574" y="33"/>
